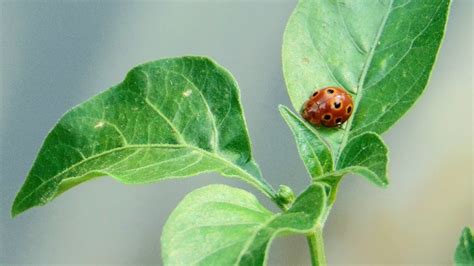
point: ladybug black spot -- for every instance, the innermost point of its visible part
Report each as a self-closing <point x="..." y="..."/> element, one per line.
<point x="349" y="109"/>
<point x="337" y="105"/>
<point x="338" y="120"/>
<point x="327" y="117"/>
<point x="330" y="91"/>
<point x="315" y="93"/>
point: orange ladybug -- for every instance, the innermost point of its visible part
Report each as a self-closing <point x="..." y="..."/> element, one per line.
<point x="329" y="107"/>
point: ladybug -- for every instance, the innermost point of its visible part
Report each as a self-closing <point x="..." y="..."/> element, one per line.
<point x="329" y="107"/>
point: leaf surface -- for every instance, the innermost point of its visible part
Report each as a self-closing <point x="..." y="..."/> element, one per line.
<point x="221" y="225"/>
<point x="464" y="255"/>
<point x="314" y="152"/>
<point x="365" y="155"/>
<point x="169" y="118"/>
<point x="380" y="51"/>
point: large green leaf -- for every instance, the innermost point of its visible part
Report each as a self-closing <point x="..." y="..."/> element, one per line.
<point x="464" y="255"/>
<point x="169" y="118"/>
<point x="381" y="51"/>
<point x="312" y="149"/>
<point x="221" y="225"/>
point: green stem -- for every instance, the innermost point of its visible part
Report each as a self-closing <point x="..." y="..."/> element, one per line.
<point x="316" y="248"/>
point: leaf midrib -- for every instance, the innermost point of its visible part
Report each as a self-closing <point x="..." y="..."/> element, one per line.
<point x="363" y="75"/>
<point x="253" y="236"/>
<point x="250" y="178"/>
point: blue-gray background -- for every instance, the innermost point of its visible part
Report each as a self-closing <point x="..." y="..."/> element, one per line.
<point x="56" y="54"/>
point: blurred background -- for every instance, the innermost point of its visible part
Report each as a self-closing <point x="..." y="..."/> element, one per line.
<point x="56" y="54"/>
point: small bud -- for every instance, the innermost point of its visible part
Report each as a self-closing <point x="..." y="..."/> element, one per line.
<point x="285" y="196"/>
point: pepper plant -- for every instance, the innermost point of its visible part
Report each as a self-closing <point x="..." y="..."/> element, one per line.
<point x="179" y="117"/>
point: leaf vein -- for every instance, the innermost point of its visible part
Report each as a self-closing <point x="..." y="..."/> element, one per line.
<point x="362" y="78"/>
<point x="208" y="108"/>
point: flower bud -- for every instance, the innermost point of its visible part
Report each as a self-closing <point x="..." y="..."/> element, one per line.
<point x="285" y="196"/>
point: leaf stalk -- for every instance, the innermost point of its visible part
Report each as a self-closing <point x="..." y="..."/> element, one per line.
<point x="316" y="247"/>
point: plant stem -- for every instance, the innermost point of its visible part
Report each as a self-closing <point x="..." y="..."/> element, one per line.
<point x="316" y="247"/>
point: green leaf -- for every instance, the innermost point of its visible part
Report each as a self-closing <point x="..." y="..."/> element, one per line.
<point x="169" y="118"/>
<point x="381" y="51"/>
<point x="221" y="225"/>
<point x="464" y="255"/>
<point x="312" y="149"/>
<point x="365" y="155"/>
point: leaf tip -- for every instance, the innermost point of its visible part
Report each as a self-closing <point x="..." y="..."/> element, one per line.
<point x="379" y="181"/>
<point x="285" y="112"/>
<point x="384" y="184"/>
<point x="467" y="232"/>
<point x="21" y="203"/>
<point x="15" y="210"/>
<point x="13" y="214"/>
<point x="282" y="108"/>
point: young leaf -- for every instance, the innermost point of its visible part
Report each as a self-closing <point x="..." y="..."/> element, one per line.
<point x="169" y="118"/>
<point x="464" y="255"/>
<point x="367" y="156"/>
<point x="312" y="149"/>
<point x="381" y="51"/>
<point x="221" y="225"/>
